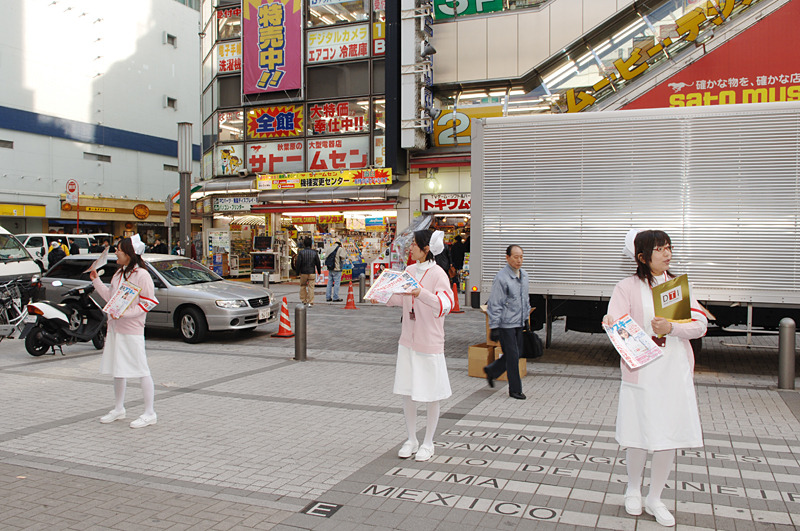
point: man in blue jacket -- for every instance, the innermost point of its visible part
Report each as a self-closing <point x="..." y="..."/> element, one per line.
<point x="508" y="308"/>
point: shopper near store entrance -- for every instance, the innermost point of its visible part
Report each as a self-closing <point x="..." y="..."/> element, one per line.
<point x="160" y="247"/>
<point x="508" y="308"/>
<point x="421" y="371"/>
<point x="124" y="355"/>
<point x="335" y="274"/>
<point x="657" y="409"/>
<point x="56" y="253"/>
<point x="307" y="265"/>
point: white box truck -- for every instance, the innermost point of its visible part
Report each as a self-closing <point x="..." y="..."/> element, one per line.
<point x="722" y="181"/>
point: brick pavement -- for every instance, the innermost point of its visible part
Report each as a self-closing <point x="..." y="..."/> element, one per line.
<point x="249" y="439"/>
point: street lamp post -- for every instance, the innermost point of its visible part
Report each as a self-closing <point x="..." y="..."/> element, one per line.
<point x="185" y="170"/>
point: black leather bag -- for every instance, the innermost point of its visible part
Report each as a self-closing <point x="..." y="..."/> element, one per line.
<point x="532" y="346"/>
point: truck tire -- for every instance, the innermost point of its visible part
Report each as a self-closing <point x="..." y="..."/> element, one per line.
<point x="34" y="343"/>
<point x="192" y="325"/>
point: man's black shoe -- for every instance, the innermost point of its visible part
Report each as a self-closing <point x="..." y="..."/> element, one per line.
<point x="518" y="396"/>
<point x="337" y="300"/>
<point x="489" y="379"/>
<point x="329" y="300"/>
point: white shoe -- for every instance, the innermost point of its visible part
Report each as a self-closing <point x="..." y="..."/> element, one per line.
<point x="112" y="415"/>
<point x="633" y="503"/>
<point x="660" y="511"/>
<point x="144" y="420"/>
<point x="408" y="449"/>
<point x="424" y="453"/>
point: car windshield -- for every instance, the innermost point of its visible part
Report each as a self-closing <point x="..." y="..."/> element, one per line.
<point x="11" y="250"/>
<point x="183" y="272"/>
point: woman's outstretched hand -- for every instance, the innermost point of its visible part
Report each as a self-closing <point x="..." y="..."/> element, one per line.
<point x="93" y="274"/>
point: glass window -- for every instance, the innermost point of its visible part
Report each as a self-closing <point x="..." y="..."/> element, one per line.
<point x="229" y="91"/>
<point x="337" y="117"/>
<point x="338" y="81"/>
<point x="231" y="126"/>
<point x="535" y="101"/>
<point x="208" y="102"/>
<point x="229" y="23"/>
<point x="207" y="39"/>
<point x="208" y="69"/>
<point x="379" y="77"/>
<point x="620" y="47"/>
<point x="322" y="13"/>
<point x="35" y="241"/>
<point x="11" y="249"/>
<point x="379" y="114"/>
<point x="209" y="133"/>
<point x="379" y="10"/>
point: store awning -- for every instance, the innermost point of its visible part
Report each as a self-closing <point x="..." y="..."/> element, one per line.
<point x="248" y="220"/>
<point x="341" y="193"/>
<point x="440" y="161"/>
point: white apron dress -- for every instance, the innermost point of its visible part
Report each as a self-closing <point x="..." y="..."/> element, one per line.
<point x="124" y="355"/>
<point x="659" y="412"/>
<point x="421" y="376"/>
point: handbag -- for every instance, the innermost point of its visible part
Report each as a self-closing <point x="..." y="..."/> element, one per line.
<point x="532" y="346"/>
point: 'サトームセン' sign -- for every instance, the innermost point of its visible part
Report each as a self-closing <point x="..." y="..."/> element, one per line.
<point x="325" y="178"/>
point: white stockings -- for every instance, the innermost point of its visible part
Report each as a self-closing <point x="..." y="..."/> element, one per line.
<point x="148" y="394"/>
<point x="660" y="466"/>
<point x="410" y="410"/>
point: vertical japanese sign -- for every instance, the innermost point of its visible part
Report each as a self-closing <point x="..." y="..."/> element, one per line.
<point x="272" y="47"/>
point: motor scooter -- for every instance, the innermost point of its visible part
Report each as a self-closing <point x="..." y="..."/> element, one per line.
<point x="78" y="318"/>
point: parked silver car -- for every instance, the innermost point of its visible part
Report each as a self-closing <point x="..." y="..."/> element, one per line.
<point x="191" y="297"/>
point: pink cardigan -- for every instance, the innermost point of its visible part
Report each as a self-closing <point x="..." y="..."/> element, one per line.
<point x="627" y="298"/>
<point x="425" y="333"/>
<point x="132" y="321"/>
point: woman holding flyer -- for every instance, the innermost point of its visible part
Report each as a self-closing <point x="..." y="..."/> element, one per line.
<point x="421" y="371"/>
<point x="657" y="405"/>
<point x="124" y="354"/>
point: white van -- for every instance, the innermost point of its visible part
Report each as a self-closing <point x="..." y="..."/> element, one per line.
<point x="38" y="244"/>
<point x="15" y="260"/>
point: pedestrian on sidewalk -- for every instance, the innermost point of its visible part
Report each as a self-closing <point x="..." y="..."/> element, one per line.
<point x="333" y="262"/>
<point x="307" y="265"/>
<point x="508" y="307"/>
<point x="657" y="409"/>
<point x="124" y="355"/>
<point x="421" y="370"/>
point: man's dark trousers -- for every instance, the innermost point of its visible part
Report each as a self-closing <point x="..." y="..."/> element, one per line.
<point x="511" y="343"/>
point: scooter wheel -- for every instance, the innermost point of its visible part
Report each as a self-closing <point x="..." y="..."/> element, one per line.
<point x="34" y="343"/>
<point x="99" y="340"/>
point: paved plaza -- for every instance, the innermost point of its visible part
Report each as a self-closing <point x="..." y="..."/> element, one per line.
<point x="248" y="438"/>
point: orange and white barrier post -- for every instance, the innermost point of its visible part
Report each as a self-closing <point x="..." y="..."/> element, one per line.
<point x="285" y="328"/>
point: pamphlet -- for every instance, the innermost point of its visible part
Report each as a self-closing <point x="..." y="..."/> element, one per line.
<point x="636" y="348"/>
<point x="389" y="283"/>
<point x="671" y="300"/>
<point x="100" y="262"/>
<point x="122" y="299"/>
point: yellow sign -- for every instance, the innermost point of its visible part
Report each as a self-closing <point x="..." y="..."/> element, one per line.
<point x="22" y="210"/>
<point x="320" y="179"/>
<point x="451" y="127"/>
<point x="99" y="209"/>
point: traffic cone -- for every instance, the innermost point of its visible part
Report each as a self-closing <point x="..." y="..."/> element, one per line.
<point x="351" y="301"/>
<point x="456" y="308"/>
<point x="285" y="329"/>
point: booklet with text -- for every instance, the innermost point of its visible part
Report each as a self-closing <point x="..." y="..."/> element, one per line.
<point x="636" y="348"/>
<point x="389" y="283"/>
<point x="122" y="299"/>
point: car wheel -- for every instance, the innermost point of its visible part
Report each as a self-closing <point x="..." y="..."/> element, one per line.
<point x="192" y="325"/>
<point x="99" y="340"/>
<point x="34" y="343"/>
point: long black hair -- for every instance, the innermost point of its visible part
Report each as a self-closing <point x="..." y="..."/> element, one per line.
<point x="644" y="244"/>
<point x="423" y="239"/>
<point x="126" y="246"/>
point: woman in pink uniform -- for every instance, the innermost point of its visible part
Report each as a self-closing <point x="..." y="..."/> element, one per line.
<point x="657" y="405"/>
<point x="421" y="371"/>
<point x="124" y="354"/>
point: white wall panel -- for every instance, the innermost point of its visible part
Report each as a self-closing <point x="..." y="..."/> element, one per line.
<point x="534" y="39"/>
<point x="503" y="47"/>
<point x="445" y="62"/>
<point x="597" y="11"/>
<point x="472" y="49"/>
<point x="566" y="23"/>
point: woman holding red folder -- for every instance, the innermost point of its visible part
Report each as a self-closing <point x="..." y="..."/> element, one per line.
<point x="124" y="354"/>
<point x="657" y="404"/>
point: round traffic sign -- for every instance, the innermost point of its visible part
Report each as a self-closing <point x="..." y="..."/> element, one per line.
<point x="72" y="186"/>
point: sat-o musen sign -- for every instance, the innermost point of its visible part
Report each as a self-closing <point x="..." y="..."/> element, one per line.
<point x="757" y="66"/>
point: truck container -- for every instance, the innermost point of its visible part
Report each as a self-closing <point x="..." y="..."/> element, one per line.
<point x="722" y="181"/>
